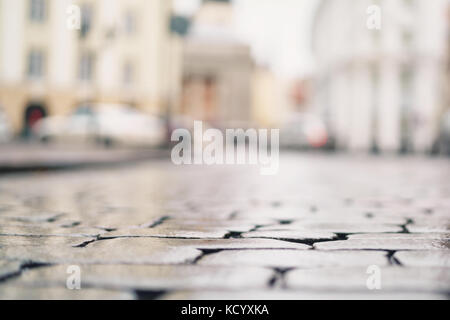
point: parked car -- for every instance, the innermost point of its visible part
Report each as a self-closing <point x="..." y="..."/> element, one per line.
<point x="107" y="124"/>
<point x="304" y="131"/>
<point x="442" y="144"/>
<point x="5" y="128"/>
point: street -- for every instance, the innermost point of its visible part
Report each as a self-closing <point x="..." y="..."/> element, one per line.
<point x="327" y="226"/>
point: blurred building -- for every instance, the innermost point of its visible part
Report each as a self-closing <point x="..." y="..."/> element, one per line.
<point x="217" y="69"/>
<point x="381" y="89"/>
<point x="267" y="99"/>
<point x="121" y="53"/>
<point x="447" y="89"/>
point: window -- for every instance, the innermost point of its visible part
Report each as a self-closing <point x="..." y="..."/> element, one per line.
<point x="407" y="81"/>
<point x="407" y="41"/>
<point x="130" y="23"/>
<point x="37" y="10"/>
<point x="128" y="73"/>
<point x="35" y="64"/>
<point x="409" y="3"/>
<point x="86" y="20"/>
<point x="375" y="79"/>
<point x="86" y="67"/>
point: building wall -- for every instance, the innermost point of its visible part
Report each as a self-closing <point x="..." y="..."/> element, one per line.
<point x="60" y="90"/>
<point x="266" y="109"/>
<point x="380" y="88"/>
<point x="218" y="80"/>
<point x="217" y="70"/>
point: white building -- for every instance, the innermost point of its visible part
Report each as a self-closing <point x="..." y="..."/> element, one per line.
<point x="381" y="88"/>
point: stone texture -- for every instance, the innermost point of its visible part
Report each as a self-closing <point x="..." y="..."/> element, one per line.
<point x="24" y="293"/>
<point x="403" y="236"/>
<point x="392" y="279"/>
<point x="32" y="230"/>
<point x="229" y="233"/>
<point x="436" y="258"/>
<point x="383" y="244"/>
<point x="300" y="295"/>
<point x="9" y="268"/>
<point x="150" y="278"/>
<point x="244" y="244"/>
<point x="35" y="217"/>
<point x="113" y="251"/>
<point x="344" y="227"/>
<point x="441" y="226"/>
<point x="42" y="241"/>
<point x="294" y="258"/>
<point x="192" y="233"/>
<point x="289" y="235"/>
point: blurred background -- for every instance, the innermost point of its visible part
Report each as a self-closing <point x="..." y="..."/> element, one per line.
<point x="137" y="69"/>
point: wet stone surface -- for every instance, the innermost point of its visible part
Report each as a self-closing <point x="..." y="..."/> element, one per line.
<point x="383" y="244"/>
<point x="157" y="231"/>
<point x="353" y="279"/>
<point x="151" y="277"/>
<point x="295" y="258"/>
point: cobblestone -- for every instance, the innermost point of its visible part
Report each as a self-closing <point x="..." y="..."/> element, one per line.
<point x="290" y="235"/>
<point x="25" y="293"/>
<point x="439" y="258"/>
<point x="295" y="258"/>
<point x="350" y="227"/>
<point x="9" y="268"/>
<point x="42" y="241"/>
<point x="299" y="295"/>
<point x="157" y="231"/>
<point x="383" y="244"/>
<point x="354" y="279"/>
<point x="151" y="277"/>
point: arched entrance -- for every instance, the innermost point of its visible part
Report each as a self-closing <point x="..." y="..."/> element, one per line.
<point x="33" y="113"/>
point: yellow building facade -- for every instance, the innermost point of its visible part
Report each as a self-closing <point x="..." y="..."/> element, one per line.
<point x="121" y="51"/>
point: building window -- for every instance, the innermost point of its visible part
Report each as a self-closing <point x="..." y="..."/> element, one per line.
<point x="407" y="42"/>
<point x="86" y="67"/>
<point x="409" y="3"/>
<point x="86" y="20"/>
<point x="37" y="10"/>
<point x="35" y="64"/>
<point x="407" y="121"/>
<point x="128" y="73"/>
<point x="130" y="23"/>
<point x="376" y="126"/>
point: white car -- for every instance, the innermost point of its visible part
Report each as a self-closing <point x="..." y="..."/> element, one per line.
<point x="442" y="144"/>
<point x="5" y="128"/>
<point x="104" y="123"/>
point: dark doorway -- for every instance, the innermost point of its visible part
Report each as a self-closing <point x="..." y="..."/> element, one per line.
<point x="33" y="113"/>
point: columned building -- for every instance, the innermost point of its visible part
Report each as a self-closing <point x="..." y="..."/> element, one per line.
<point x="381" y="89"/>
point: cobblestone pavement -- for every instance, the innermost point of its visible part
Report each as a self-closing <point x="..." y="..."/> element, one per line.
<point x="154" y="230"/>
